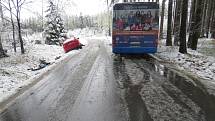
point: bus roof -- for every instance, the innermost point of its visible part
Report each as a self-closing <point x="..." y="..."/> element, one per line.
<point x="136" y="5"/>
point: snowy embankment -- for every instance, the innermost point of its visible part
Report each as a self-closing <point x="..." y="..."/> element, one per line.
<point x="15" y="70"/>
<point x="200" y="63"/>
<point x="196" y="62"/>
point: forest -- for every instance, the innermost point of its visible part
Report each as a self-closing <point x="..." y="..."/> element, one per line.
<point x="187" y="21"/>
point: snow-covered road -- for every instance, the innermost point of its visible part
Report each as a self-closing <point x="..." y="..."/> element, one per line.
<point x="95" y="85"/>
<point x="82" y="84"/>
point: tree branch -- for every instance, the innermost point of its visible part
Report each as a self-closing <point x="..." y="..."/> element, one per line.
<point x="3" y="5"/>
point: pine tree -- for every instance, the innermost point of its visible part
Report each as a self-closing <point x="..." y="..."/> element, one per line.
<point x="55" y="33"/>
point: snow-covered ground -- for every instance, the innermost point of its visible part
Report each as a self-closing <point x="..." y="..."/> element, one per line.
<point x="14" y="70"/>
<point x="14" y="73"/>
<point x="207" y="47"/>
<point x="200" y="63"/>
<point x="196" y="62"/>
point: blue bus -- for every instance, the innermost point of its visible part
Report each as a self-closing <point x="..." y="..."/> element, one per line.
<point x="135" y="28"/>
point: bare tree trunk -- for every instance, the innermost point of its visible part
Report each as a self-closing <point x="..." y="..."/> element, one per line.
<point x="20" y="36"/>
<point x="209" y="17"/>
<point x="162" y="18"/>
<point x="213" y="21"/>
<point x="169" y="26"/>
<point x="203" y="21"/>
<point x="190" y="17"/>
<point x="2" y="52"/>
<point x="197" y="27"/>
<point x="192" y="23"/>
<point x="183" y="47"/>
<point x="19" y="27"/>
<point x="173" y="16"/>
<point x="177" y="22"/>
<point x="13" y="26"/>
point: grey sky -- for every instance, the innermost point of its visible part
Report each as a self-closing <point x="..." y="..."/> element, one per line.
<point x="71" y="7"/>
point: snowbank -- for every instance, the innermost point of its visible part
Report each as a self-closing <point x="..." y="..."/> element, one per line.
<point x="195" y="62"/>
<point x="14" y="70"/>
<point x="206" y="46"/>
<point x="198" y="62"/>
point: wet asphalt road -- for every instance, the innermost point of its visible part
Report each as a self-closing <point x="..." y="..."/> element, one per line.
<point x="95" y="85"/>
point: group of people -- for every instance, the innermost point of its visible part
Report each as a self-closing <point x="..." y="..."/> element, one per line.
<point x="135" y="21"/>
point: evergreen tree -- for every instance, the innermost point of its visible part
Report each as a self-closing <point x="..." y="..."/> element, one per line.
<point x="55" y="33"/>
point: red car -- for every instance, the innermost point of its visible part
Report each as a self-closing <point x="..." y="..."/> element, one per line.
<point x="71" y="44"/>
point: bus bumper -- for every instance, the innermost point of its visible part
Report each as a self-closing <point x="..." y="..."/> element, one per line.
<point x="127" y="50"/>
